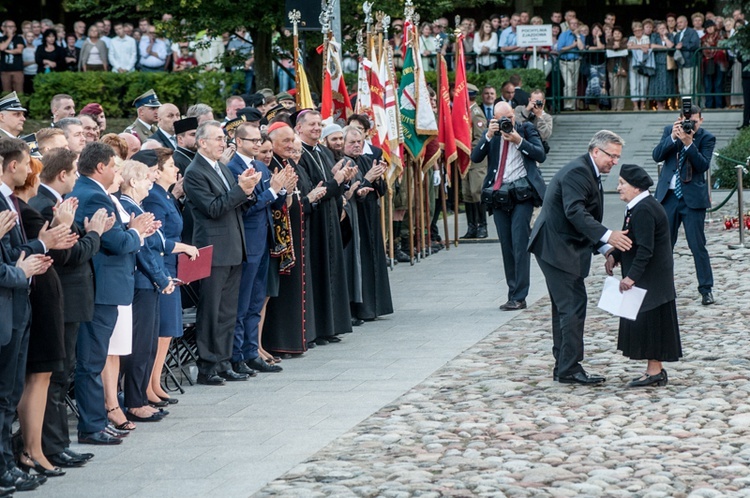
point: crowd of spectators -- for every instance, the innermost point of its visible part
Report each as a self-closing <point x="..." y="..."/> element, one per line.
<point x="43" y="47"/>
<point x="602" y="59"/>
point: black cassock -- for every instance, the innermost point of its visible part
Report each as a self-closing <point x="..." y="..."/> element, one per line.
<point x="330" y="290"/>
<point x="376" y="288"/>
<point x="290" y="315"/>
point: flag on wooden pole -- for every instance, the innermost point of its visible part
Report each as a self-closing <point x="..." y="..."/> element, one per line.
<point x="446" y="137"/>
<point x="335" y="103"/>
<point x="461" y="114"/>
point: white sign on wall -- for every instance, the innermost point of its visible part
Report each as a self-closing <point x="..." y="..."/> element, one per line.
<point x="534" y="36"/>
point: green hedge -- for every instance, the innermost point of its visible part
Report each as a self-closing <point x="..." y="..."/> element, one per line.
<point x="725" y="174"/>
<point x="532" y="78"/>
<point x="116" y="92"/>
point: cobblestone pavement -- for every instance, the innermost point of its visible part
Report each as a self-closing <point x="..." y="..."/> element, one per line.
<point x="492" y="422"/>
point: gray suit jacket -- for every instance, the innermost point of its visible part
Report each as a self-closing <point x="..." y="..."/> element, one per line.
<point x="217" y="212"/>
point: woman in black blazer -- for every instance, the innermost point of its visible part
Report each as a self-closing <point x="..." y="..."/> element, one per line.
<point x="654" y="335"/>
<point x="46" y="338"/>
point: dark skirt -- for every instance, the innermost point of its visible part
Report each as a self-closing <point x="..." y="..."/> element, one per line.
<point x="170" y="310"/>
<point x="274" y="279"/>
<point x="653" y="335"/>
<point x="47" y="335"/>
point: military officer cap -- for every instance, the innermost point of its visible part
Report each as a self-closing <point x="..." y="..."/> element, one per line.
<point x="234" y="123"/>
<point x="11" y="103"/>
<point x="273" y="112"/>
<point x="253" y="99"/>
<point x="148" y="99"/>
<point x="284" y="96"/>
<point x="185" y="124"/>
<point x="33" y="145"/>
<point x="472" y="89"/>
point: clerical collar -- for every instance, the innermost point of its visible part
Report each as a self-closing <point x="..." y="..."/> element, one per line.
<point x="310" y="147"/>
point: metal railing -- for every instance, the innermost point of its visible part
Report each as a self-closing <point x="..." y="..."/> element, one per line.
<point x="556" y="98"/>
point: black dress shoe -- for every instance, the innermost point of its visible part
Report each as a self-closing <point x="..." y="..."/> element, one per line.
<point x="20" y="480"/>
<point x="155" y="417"/>
<point x="170" y="401"/>
<point x="158" y="404"/>
<point x="513" y="305"/>
<point x="62" y="459"/>
<point x="356" y="322"/>
<point x="311" y="345"/>
<point x="321" y="341"/>
<point x="100" y="437"/>
<point x="708" y="298"/>
<point x="7" y="491"/>
<point x="232" y="376"/>
<point x="582" y="378"/>
<point x="210" y="380"/>
<point x="660" y="379"/>
<point x="78" y="456"/>
<point x="261" y="366"/>
<point x="333" y="338"/>
<point x="241" y="367"/>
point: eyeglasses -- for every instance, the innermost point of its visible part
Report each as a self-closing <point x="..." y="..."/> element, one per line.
<point x="614" y="157"/>
<point x="251" y="140"/>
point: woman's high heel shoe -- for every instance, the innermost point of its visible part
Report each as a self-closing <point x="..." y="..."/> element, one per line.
<point x="660" y="379"/>
<point x="38" y="467"/>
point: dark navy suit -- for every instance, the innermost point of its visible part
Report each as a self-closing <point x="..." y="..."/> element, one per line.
<point x="514" y="226"/>
<point x="114" y="276"/>
<point x="14" y="332"/>
<point x="258" y="222"/>
<point x="162" y="205"/>
<point x="151" y="278"/>
<point x="691" y="209"/>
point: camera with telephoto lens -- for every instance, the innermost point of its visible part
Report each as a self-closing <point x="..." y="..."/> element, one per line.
<point x="506" y="126"/>
<point x="687" y="124"/>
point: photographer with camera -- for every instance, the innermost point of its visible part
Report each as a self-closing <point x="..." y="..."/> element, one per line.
<point x="686" y="150"/>
<point x="512" y="188"/>
<point x="534" y="113"/>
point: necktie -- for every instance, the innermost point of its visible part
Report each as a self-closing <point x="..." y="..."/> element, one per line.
<point x="173" y="139"/>
<point x="501" y="168"/>
<point x="221" y="175"/>
<point x="14" y="200"/>
<point x="488" y="112"/>
<point x="678" y="174"/>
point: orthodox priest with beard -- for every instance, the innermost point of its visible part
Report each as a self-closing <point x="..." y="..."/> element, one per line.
<point x="332" y="314"/>
<point x="289" y="320"/>
<point x="376" y="290"/>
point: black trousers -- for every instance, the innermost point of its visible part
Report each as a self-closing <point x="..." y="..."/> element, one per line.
<point x="568" y="295"/>
<point x="137" y="366"/>
<point x="55" y="434"/>
<point x="216" y="317"/>
<point x="12" y="376"/>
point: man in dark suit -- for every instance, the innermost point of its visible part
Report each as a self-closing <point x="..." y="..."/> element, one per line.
<point x="687" y="41"/>
<point x="13" y="277"/>
<point x="76" y="271"/>
<point x="13" y="353"/>
<point x="165" y="134"/>
<point x="512" y="161"/>
<point x="683" y="192"/>
<point x="217" y="202"/>
<point x="520" y="96"/>
<point x="258" y="222"/>
<point x="566" y="233"/>
<point x="114" y="267"/>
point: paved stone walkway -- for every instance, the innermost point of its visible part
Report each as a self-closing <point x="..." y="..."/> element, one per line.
<point x="493" y="423"/>
<point x="436" y="400"/>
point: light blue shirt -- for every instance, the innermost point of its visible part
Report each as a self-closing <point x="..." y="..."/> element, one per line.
<point x="508" y="39"/>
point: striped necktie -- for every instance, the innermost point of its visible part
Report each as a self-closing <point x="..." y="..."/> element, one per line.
<point x="678" y="173"/>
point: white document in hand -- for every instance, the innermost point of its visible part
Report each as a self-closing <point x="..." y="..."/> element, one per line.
<point x="625" y="304"/>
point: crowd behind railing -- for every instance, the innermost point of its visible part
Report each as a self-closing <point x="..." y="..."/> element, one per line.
<point x="649" y="62"/>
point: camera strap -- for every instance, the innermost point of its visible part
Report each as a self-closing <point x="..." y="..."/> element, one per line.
<point x="501" y="167"/>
